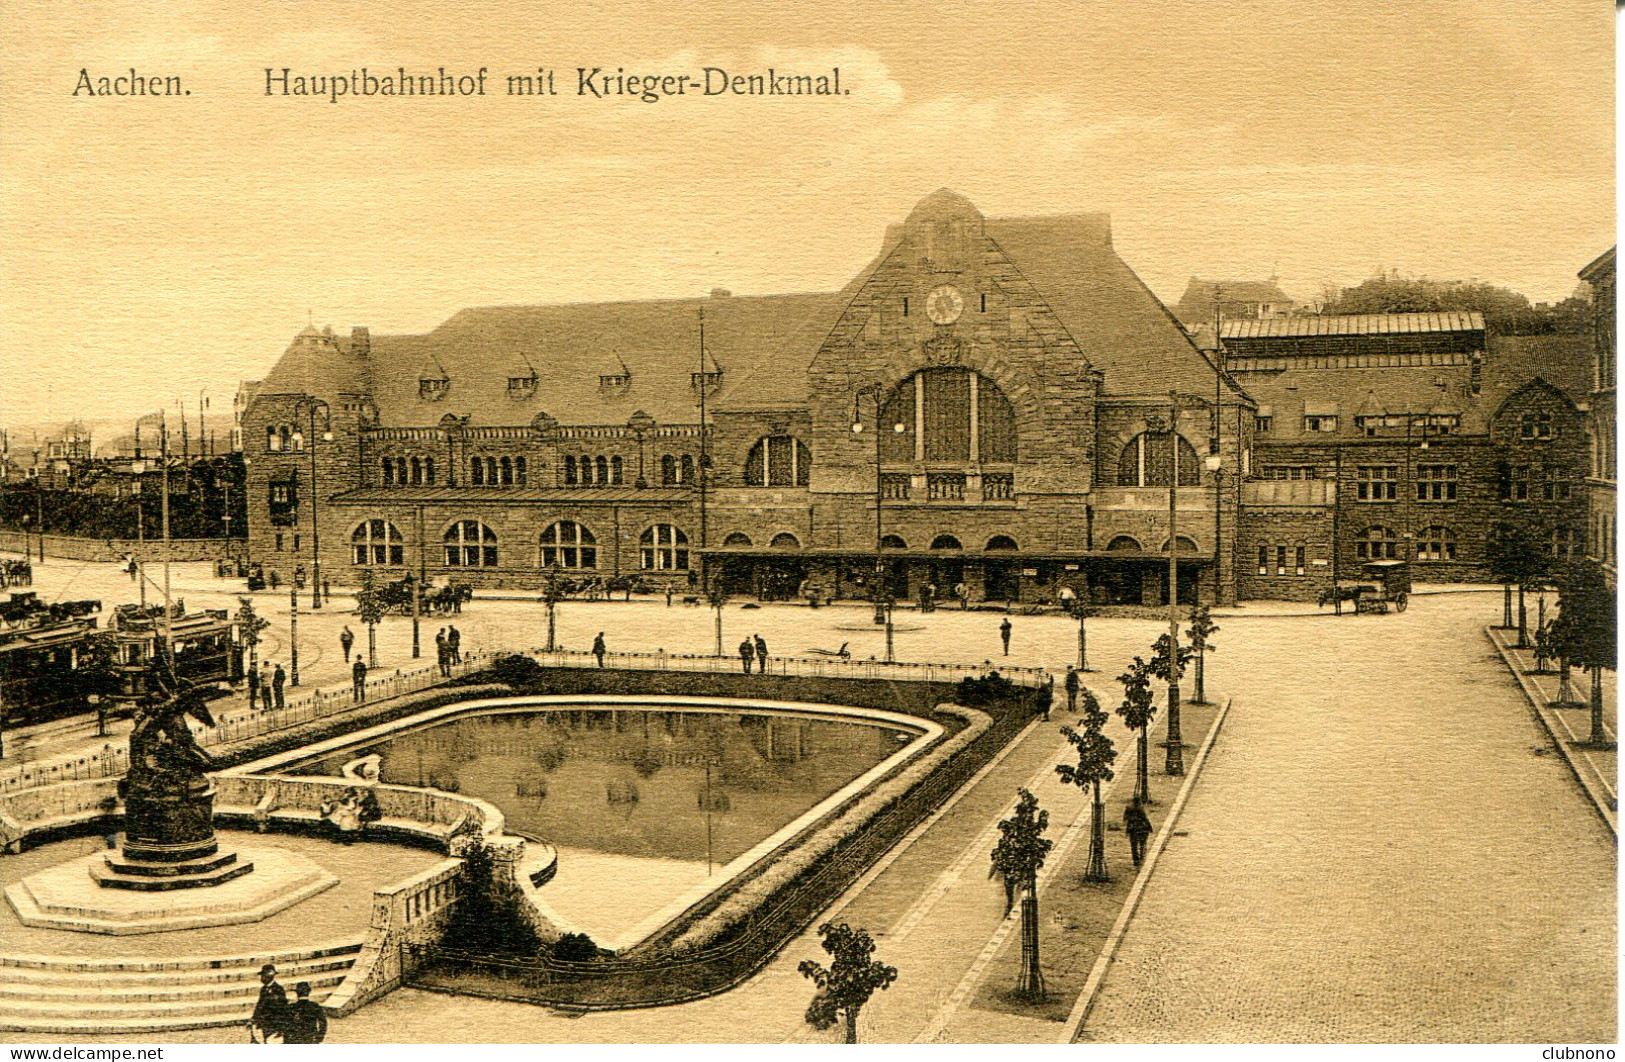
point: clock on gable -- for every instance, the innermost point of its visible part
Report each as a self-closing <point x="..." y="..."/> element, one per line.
<point x="944" y="305"/>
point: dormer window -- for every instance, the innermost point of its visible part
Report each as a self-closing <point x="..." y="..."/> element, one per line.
<point x="614" y="378"/>
<point x="433" y="389"/>
<point x="615" y="381"/>
<point x="521" y="386"/>
<point x="1320" y="423"/>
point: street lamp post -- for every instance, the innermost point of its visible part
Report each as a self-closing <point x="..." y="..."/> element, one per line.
<point x="310" y="404"/>
<point x="883" y="602"/>
<point x="1176" y="748"/>
<point x="1215" y="465"/>
<point x="293" y="632"/>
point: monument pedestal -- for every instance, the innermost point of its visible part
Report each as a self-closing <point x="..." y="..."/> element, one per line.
<point x="169" y="844"/>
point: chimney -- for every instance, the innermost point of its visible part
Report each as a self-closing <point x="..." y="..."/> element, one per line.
<point x="360" y="341"/>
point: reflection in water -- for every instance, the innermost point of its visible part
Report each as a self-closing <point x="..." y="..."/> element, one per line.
<point x="634" y="782"/>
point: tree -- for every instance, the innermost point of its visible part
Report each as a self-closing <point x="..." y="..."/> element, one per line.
<point x="554" y="589"/>
<point x="369" y="602"/>
<point x="487" y="918"/>
<point x="1078" y="608"/>
<point x="1516" y="554"/>
<point x="1585" y="633"/>
<point x="1202" y="630"/>
<point x="1096" y="754"/>
<point x="1169" y="667"/>
<point x="249" y="626"/>
<point x="851" y="979"/>
<point x="1017" y="858"/>
<point x="1505" y="311"/>
<point x="716" y="597"/>
<point x="1137" y="711"/>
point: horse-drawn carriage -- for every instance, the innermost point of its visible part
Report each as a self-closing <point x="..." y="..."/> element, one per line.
<point x="1389" y="586"/>
<point x="396" y="598"/>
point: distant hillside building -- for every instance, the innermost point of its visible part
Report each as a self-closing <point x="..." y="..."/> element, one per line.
<point x="1253" y="300"/>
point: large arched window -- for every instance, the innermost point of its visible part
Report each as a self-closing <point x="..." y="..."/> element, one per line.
<point x="1000" y="542"/>
<point x="778" y="461"/>
<point x="1377" y="543"/>
<point x="946" y="542"/>
<point x="1149" y="456"/>
<point x="1123" y="544"/>
<point x="470" y="544"/>
<point x="893" y="542"/>
<point x="567" y="544"/>
<point x="665" y="548"/>
<point x="737" y="540"/>
<point x="784" y="540"/>
<point x="1436" y="544"/>
<point x="1186" y="545"/>
<point x="948" y="414"/>
<point x="376" y="542"/>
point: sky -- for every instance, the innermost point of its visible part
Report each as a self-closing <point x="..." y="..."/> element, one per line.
<point x="153" y="248"/>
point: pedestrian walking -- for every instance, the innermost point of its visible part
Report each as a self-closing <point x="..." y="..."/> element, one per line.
<point x="441" y="659"/>
<point x="267" y="702"/>
<point x="1072" y="684"/>
<point x="747" y="654"/>
<point x="599" y="648"/>
<point x="327" y="589"/>
<point x="1004" y="634"/>
<point x="305" y="1022"/>
<point x="1138" y="827"/>
<point x="270" y="1010"/>
<point x="358" y="675"/>
<point x="761" y="654"/>
<point x="454" y="644"/>
<point x="668" y="595"/>
<point x="253" y="688"/>
<point x="132" y="567"/>
<point x="962" y="592"/>
<point x="346" y="642"/>
<point x="276" y="579"/>
<point x="279" y="678"/>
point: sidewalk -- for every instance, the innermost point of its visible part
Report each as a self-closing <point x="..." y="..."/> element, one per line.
<point x="1569" y="722"/>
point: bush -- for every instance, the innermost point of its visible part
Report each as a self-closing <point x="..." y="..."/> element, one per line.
<point x="484" y="921"/>
<point x="575" y="947"/>
<point x="512" y="669"/>
<point x="990" y="689"/>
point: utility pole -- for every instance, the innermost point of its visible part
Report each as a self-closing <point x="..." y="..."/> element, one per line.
<point x="705" y="456"/>
<point x="293" y="632"/>
<point x="1176" y="748"/>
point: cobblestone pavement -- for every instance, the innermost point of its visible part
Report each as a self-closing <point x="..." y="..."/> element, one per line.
<point x="1377" y="852"/>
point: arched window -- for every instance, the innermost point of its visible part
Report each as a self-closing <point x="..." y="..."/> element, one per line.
<point x="668" y="470"/>
<point x="737" y="540"/>
<point x="506" y="466"/>
<point x="1377" y="543"/>
<point x="477" y="472"/>
<point x="665" y="548"/>
<point x="1436" y="544"/>
<point x="945" y="542"/>
<point x="685" y="469"/>
<point x="601" y="471"/>
<point x="470" y="544"/>
<point x="428" y="471"/>
<point x="491" y="477"/>
<point x="417" y="472"/>
<point x="963" y="414"/>
<point x="569" y="470"/>
<point x="778" y="461"/>
<point x="615" y="469"/>
<point x="1001" y="542"/>
<point x="893" y="542"/>
<point x="389" y="471"/>
<point x="298" y="440"/>
<point x="784" y="540"/>
<point x="376" y="542"/>
<point x="519" y="473"/>
<point x="1147" y="458"/>
<point x="567" y="544"/>
<point x="1123" y="544"/>
<point x="1186" y="545"/>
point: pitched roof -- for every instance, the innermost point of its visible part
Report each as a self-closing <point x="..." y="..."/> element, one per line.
<point x="1196" y="304"/>
<point x="1122" y="328"/>
<point x="1360" y="324"/>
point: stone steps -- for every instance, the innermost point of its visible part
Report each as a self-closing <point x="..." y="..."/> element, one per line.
<point x="62" y="995"/>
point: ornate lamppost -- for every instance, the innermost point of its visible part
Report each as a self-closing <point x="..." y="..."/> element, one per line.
<point x="308" y="405"/>
<point x="883" y="599"/>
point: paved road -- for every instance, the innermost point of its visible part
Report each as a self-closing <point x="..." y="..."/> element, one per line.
<point x="1376" y="853"/>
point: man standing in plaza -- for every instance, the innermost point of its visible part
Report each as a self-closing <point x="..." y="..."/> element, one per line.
<point x="358" y="675"/>
<point x="306" y="1023"/>
<point x="441" y="658"/>
<point x="253" y="688"/>
<point x="1137" y="824"/>
<point x="1004" y="634"/>
<point x="1072" y="684"/>
<point x="454" y="644"/>
<point x="266" y="677"/>
<point x="747" y="653"/>
<point x="963" y="593"/>
<point x="279" y="678"/>
<point x="271" y="1009"/>
<point x="761" y="654"/>
<point x="346" y="642"/>
<point x="599" y="648"/>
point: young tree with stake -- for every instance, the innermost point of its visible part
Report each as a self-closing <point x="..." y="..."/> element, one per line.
<point x="717" y="597"/>
<point x="249" y="626"/>
<point x="1586" y="633"/>
<point x="554" y="590"/>
<point x="1169" y="666"/>
<point x="1018" y="857"/>
<point x="1202" y="631"/>
<point x="1137" y="711"/>
<point x="852" y="977"/>
<point x="1096" y="754"/>
<point x="370" y="604"/>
